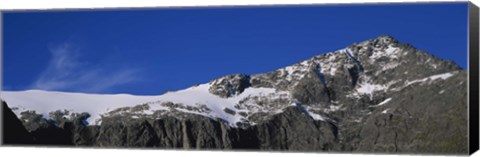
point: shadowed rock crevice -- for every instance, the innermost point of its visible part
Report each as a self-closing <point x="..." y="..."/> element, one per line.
<point x="13" y="130"/>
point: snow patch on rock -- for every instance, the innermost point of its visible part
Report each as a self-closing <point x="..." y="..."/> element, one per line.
<point x="385" y="111"/>
<point x="390" y="52"/>
<point x="369" y="89"/>
<point x="383" y="102"/>
<point x="443" y="76"/>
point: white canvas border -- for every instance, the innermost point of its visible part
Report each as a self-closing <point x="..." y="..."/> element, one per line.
<point x="15" y="5"/>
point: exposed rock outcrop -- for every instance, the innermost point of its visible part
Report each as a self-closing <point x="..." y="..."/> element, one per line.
<point x="230" y="85"/>
<point x="13" y="131"/>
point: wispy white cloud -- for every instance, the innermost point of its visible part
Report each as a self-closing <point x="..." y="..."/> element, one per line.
<point x="65" y="71"/>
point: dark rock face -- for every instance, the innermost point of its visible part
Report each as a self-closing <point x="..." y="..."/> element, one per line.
<point x="416" y="123"/>
<point x="312" y="88"/>
<point x="169" y="132"/>
<point x="120" y="134"/>
<point x="13" y="131"/>
<point x="230" y="85"/>
<point x="294" y="130"/>
<point x="290" y="130"/>
<point x="46" y="134"/>
<point x="377" y="96"/>
<point x="53" y="136"/>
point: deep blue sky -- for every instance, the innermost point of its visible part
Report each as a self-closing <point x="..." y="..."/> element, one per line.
<point x="149" y="51"/>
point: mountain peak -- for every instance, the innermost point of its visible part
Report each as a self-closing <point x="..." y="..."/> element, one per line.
<point x="343" y="100"/>
<point x="367" y="70"/>
<point x="379" y="43"/>
<point x="384" y="39"/>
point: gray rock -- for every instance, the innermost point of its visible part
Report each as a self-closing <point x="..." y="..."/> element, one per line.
<point x="229" y="85"/>
<point x="420" y="120"/>
<point x="295" y="130"/>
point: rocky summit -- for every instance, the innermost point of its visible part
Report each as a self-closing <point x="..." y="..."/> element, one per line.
<point x="378" y="96"/>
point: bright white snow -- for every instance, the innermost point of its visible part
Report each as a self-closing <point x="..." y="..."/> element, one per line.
<point x="369" y="89"/>
<point x="333" y="108"/>
<point x="44" y="102"/>
<point x="391" y="52"/>
<point x="385" y="111"/>
<point x="383" y="102"/>
<point x="295" y="72"/>
<point x="389" y="66"/>
<point x="199" y="95"/>
<point x="316" y="116"/>
<point x="431" y="78"/>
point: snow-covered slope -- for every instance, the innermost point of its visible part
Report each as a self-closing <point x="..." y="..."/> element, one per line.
<point x="44" y="102"/>
<point x="195" y="100"/>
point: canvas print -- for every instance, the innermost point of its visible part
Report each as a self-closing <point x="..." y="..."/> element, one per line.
<point x="352" y="78"/>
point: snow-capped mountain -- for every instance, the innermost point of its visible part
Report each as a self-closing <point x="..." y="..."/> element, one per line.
<point x="351" y="99"/>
